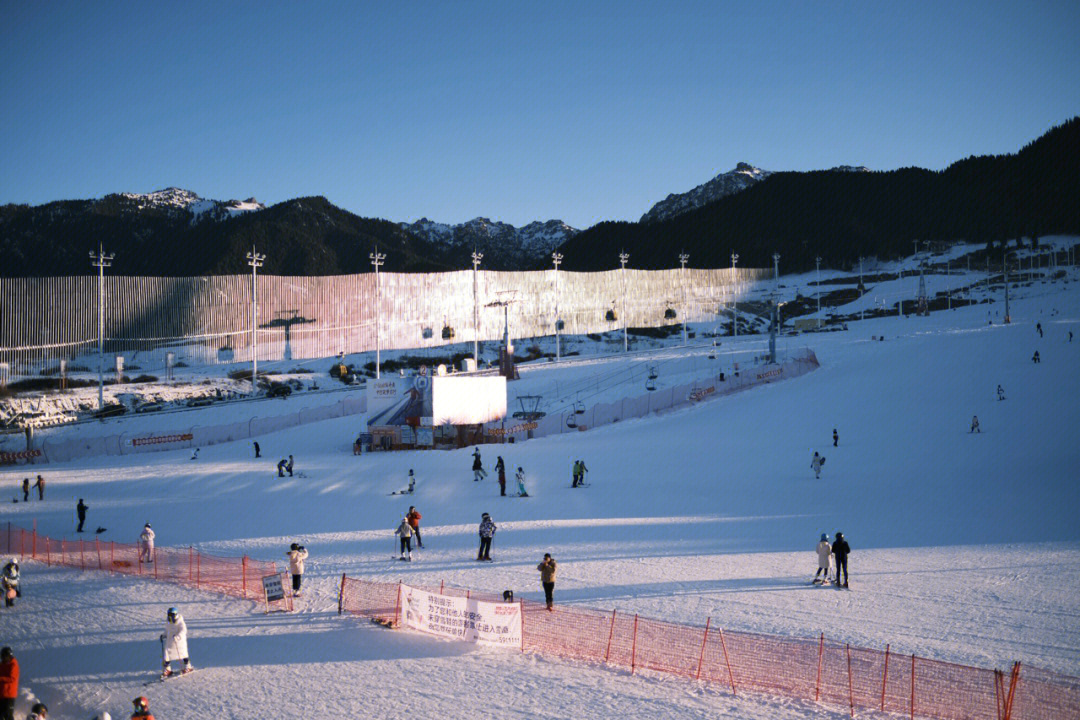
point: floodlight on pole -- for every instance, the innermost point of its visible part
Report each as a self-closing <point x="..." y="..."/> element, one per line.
<point x="476" y="258"/>
<point x="683" y="258"/>
<point x="556" y="258"/>
<point x="101" y="261"/>
<point x="735" y="295"/>
<point x="377" y="259"/>
<point x="776" y="285"/>
<point x="817" y="264"/>
<point x="255" y="260"/>
<point x="623" y="257"/>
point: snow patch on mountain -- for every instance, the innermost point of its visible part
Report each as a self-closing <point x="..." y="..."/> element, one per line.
<point x="173" y="199"/>
<point x="504" y="245"/>
<point x="743" y="176"/>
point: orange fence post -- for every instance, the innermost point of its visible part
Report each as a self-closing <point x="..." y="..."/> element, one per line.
<point x="521" y="614"/>
<point x="884" y="677"/>
<point x="727" y="661"/>
<point x="48" y="557"/>
<point x="820" y="653"/>
<point x="850" y="689"/>
<point x="611" y="633"/>
<point x="341" y="595"/>
<point x="33" y="542"/>
<point x="704" y="639"/>
<point x="97" y="544"/>
<point x="999" y="701"/>
<point x="21" y="536"/>
<point x="913" y="686"/>
<point x="397" y="608"/>
<point x="63" y="553"/>
<point x="190" y="552"/>
<point x="198" y="569"/>
<point x="243" y="575"/>
<point x="1013" y="682"/>
<point x="441" y="584"/>
<point x="633" y="652"/>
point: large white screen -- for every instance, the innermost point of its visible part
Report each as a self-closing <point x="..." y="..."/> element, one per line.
<point x="468" y="400"/>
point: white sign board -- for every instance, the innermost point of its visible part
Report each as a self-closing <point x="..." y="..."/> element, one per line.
<point x="468" y="400"/>
<point x="272" y="588"/>
<point x="458" y="618"/>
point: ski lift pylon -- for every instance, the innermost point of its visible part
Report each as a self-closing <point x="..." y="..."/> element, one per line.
<point x="530" y="407"/>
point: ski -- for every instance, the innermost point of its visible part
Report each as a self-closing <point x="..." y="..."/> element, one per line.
<point x="165" y="678"/>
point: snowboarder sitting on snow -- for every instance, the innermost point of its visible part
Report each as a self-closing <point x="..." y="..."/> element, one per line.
<point x="9" y="581"/>
<point x="1001" y="393"/>
<point x="142" y="709"/>
<point x="414" y="521"/>
<point x="824" y="550"/>
<point x="174" y="643"/>
<point x="405" y="532"/>
<point x="195" y="455"/>
<point x="477" y="466"/>
<point x="487" y="531"/>
<point x="297" y="555"/>
<point x="841" y="549"/>
<point x="974" y="425"/>
<point x="521" y="483"/>
<point x="815" y="464"/>
<point x="146" y="544"/>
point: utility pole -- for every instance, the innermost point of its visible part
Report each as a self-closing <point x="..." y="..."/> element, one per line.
<point x="255" y="260"/>
<point x="101" y="261"/>
<point x="817" y="264"/>
<point x="683" y="257"/>
<point x="776" y="285"/>
<point x="623" y="257"/>
<point x="556" y="258"/>
<point x="377" y="259"/>
<point x="476" y="258"/>
<point x="735" y="294"/>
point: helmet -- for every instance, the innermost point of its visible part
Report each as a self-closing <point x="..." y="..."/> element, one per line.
<point x="141" y="703"/>
<point x="173" y="612"/>
<point x="839" y="535"/>
<point x="146" y="525"/>
<point x="410" y="471"/>
<point x="824" y="537"/>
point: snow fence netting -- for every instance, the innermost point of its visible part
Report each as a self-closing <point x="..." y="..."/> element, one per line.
<point x="236" y="576"/>
<point x="812" y="669"/>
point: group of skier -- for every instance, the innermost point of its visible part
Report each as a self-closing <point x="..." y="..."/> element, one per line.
<point x="500" y="468"/>
<point x="840" y="549"/>
<point x="39" y="485"/>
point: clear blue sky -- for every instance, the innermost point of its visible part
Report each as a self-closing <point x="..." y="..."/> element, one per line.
<point x="516" y="111"/>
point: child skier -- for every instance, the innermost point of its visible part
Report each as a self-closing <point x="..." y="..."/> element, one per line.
<point x="521" y="482"/>
<point x="174" y="643"/>
<point x="405" y="532"/>
<point x="824" y="550"/>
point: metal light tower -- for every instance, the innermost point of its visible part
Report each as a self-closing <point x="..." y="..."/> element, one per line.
<point x="255" y="260"/>
<point x="556" y="258"/>
<point x="377" y="259"/>
<point x="817" y="264"/>
<point x="623" y="257"/>
<point x="476" y="258"/>
<point x="776" y="285"/>
<point x="683" y="257"/>
<point x="101" y="261"/>
<point x="734" y="295"/>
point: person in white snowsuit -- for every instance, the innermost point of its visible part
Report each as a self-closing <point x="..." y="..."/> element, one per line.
<point x="824" y="552"/>
<point x="521" y="483"/>
<point x="405" y="532"/>
<point x="974" y="425"/>
<point x="174" y="643"/>
<point x="815" y="465"/>
<point x="146" y="544"/>
<point x="297" y="555"/>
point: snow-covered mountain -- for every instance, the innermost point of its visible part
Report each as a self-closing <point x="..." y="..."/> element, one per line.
<point x="173" y="199"/>
<point x="743" y="176"/>
<point x="504" y="246"/>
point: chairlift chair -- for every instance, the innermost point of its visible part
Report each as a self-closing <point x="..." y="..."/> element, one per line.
<point x="652" y="372"/>
<point x="579" y="408"/>
<point x="571" y="420"/>
<point x="650" y="384"/>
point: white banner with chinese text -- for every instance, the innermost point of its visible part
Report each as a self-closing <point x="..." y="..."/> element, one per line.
<point x="458" y="618"/>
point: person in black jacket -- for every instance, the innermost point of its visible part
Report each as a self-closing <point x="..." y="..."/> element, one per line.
<point x="500" y="467"/>
<point x="841" y="549"/>
<point x="80" y="510"/>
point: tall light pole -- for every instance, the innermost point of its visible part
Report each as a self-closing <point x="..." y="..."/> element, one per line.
<point x="861" y="287"/>
<point x="377" y="259"/>
<point x="1005" y="270"/>
<point x="623" y="257"/>
<point x="476" y="258"/>
<point x="776" y="284"/>
<point x="683" y="257"/>
<point x="101" y="261"/>
<point x="734" y="295"/>
<point x="556" y="258"/>
<point x="255" y="260"/>
<point x="817" y="263"/>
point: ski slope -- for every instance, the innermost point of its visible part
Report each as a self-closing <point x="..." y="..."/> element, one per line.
<point x="966" y="546"/>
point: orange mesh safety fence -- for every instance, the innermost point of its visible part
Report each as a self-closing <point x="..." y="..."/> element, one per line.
<point x="836" y="675"/>
<point x="240" y="577"/>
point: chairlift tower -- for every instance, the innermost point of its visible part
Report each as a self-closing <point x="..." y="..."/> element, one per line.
<point x="101" y="261"/>
<point x="476" y="258"/>
<point x="556" y="259"/>
<point x="623" y="257"/>
<point x="377" y="259"/>
<point x="683" y="257"/>
<point x="921" y="305"/>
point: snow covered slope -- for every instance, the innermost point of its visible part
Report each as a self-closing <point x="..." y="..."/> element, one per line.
<point x="965" y="546"/>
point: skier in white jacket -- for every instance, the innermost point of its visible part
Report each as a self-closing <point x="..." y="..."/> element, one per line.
<point x="297" y="555"/>
<point x="174" y="643"/>
<point x="146" y="544"/>
<point x="824" y="552"/>
<point x="405" y="532"/>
